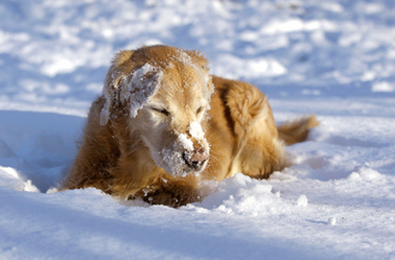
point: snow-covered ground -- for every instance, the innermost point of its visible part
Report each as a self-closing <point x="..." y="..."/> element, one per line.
<point x="333" y="58"/>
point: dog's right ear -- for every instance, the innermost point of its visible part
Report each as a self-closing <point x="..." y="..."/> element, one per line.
<point x="127" y="82"/>
<point x="112" y="84"/>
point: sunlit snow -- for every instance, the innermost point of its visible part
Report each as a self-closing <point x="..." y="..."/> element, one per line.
<point x="332" y="58"/>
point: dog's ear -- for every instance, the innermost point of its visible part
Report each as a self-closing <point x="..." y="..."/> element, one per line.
<point x="110" y="89"/>
<point x="140" y="86"/>
<point x="133" y="89"/>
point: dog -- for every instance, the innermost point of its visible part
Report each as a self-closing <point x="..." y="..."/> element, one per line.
<point x="164" y="126"/>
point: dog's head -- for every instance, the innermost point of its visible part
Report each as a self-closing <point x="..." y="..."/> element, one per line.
<point x="166" y="93"/>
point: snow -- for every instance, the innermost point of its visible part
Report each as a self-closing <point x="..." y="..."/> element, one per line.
<point x="174" y="157"/>
<point x="332" y="221"/>
<point x="196" y="131"/>
<point x="335" y="59"/>
<point x="185" y="142"/>
<point x="302" y="201"/>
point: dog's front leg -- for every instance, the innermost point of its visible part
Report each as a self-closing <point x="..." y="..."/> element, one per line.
<point x="172" y="191"/>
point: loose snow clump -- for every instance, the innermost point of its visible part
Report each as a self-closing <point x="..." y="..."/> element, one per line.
<point x="196" y="131"/>
<point x="185" y="142"/>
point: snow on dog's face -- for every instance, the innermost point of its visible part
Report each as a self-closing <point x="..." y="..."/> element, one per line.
<point x="167" y="93"/>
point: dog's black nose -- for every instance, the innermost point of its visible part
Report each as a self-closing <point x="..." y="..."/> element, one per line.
<point x="196" y="159"/>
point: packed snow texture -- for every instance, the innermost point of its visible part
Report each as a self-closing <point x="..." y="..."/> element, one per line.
<point x="332" y="58"/>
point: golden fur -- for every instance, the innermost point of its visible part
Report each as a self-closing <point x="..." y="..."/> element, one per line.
<point x="163" y="126"/>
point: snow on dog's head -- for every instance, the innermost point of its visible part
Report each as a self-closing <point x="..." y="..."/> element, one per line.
<point x="165" y="92"/>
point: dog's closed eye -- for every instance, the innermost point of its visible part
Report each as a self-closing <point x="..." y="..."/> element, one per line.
<point x="162" y="111"/>
<point x="199" y="110"/>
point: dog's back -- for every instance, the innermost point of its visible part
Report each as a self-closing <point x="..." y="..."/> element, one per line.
<point x="258" y="144"/>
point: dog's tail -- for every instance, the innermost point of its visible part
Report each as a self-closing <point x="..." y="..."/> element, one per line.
<point x="297" y="130"/>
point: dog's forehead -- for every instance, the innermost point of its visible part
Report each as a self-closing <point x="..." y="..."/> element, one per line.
<point x="184" y="82"/>
<point x="188" y="67"/>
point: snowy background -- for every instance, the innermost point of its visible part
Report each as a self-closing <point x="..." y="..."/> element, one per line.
<point x="333" y="58"/>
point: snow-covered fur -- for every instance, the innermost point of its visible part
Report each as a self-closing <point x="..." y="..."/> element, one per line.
<point x="164" y="126"/>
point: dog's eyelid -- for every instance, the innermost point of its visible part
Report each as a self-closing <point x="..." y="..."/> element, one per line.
<point x="200" y="109"/>
<point x="163" y="111"/>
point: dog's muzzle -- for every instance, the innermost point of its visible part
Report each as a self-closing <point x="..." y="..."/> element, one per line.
<point x="196" y="159"/>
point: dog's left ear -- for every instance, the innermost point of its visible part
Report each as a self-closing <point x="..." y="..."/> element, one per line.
<point x="133" y="89"/>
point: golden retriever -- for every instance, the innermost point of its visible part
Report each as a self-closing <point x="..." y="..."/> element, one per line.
<point x="163" y="126"/>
